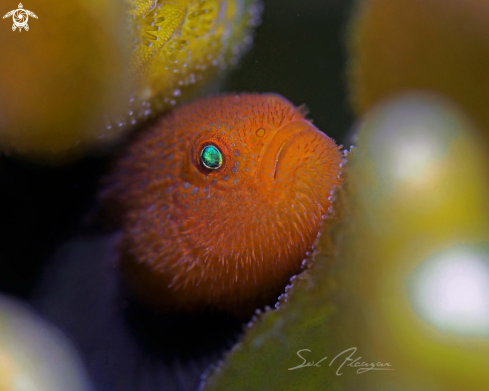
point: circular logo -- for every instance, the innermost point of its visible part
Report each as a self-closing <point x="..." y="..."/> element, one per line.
<point x="20" y="17"/>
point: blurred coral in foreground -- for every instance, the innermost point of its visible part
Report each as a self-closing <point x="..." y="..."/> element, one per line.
<point x="432" y="45"/>
<point x="407" y="281"/>
<point x="87" y="71"/>
<point x="35" y="356"/>
<point x="58" y="79"/>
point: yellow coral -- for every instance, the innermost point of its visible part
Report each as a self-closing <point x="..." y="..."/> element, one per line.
<point x="58" y="79"/>
<point x="179" y="46"/>
<point x="89" y="70"/>
<point x="434" y="45"/>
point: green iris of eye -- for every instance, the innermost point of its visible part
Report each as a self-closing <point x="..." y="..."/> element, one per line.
<point x="211" y="157"/>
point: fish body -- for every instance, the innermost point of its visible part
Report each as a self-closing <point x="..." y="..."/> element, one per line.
<point x="225" y="234"/>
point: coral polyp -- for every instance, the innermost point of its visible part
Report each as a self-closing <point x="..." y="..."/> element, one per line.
<point x="180" y="46"/>
<point x="221" y="201"/>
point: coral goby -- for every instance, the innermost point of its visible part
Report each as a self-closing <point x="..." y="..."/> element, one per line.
<point x="227" y="237"/>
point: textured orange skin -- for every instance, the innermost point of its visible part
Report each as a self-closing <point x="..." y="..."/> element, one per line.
<point x="228" y="239"/>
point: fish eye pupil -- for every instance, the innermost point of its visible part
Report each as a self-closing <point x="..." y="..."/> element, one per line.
<point x="211" y="157"/>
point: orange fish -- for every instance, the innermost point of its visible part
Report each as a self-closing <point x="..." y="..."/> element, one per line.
<point x="221" y="200"/>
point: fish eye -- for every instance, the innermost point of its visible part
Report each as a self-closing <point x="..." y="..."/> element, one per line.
<point x="211" y="157"/>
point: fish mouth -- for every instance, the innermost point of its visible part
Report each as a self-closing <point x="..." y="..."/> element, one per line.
<point x="284" y="148"/>
<point x="280" y="152"/>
